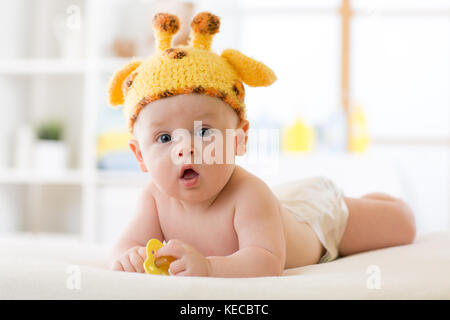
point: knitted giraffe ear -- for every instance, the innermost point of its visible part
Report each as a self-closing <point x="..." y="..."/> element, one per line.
<point x="115" y="86"/>
<point x="252" y="72"/>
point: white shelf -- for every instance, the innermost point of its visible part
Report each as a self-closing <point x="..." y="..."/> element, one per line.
<point x="110" y="65"/>
<point x="41" y="66"/>
<point x="20" y="176"/>
<point x="58" y="66"/>
<point x="121" y="178"/>
<point x="72" y="177"/>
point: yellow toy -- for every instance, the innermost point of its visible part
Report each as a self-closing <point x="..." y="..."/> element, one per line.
<point x="159" y="266"/>
<point x="186" y="69"/>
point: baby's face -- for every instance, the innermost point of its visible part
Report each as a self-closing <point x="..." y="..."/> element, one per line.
<point x="188" y="130"/>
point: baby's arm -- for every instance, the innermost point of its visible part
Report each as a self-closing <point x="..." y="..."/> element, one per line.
<point x="130" y="248"/>
<point x="259" y="228"/>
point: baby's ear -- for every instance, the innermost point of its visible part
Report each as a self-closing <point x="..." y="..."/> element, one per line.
<point x="253" y="73"/>
<point x="242" y="137"/>
<point x="115" y="91"/>
<point x="134" y="146"/>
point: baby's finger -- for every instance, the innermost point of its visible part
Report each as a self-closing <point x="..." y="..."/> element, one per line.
<point x="142" y="252"/>
<point x="174" y="241"/>
<point x="184" y="273"/>
<point x="174" y="249"/>
<point x="127" y="266"/>
<point x="116" y="266"/>
<point x="177" y="267"/>
<point x="137" y="262"/>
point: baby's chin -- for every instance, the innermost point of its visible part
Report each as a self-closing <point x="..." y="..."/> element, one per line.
<point x="194" y="195"/>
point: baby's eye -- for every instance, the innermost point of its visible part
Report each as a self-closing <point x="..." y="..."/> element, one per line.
<point x="204" y="132"/>
<point x="164" y="138"/>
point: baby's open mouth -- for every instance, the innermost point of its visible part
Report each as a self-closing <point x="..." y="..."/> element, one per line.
<point x="189" y="174"/>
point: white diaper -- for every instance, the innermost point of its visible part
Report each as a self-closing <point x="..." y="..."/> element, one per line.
<point x="318" y="202"/>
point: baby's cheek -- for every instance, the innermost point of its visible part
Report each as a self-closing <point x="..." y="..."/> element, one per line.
<point x="229" y="149"/>
<point x="146" y="156"/>
<point x="218" y="152"/>
<point x="156" y="163"/>
<point x="209" y="153"/>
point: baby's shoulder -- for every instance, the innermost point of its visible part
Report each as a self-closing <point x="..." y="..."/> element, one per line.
<point x="253" y="199"/>
<point x="248" y="186"/>
<point x="149" y="191"/>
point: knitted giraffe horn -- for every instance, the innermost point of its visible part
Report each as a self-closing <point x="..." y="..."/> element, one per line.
<point x="203" y="27"/>
<point x="165" y="26"/>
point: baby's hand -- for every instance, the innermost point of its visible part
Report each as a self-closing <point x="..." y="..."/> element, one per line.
<point x="131" y="260"/>
<point x="189" y="261"/>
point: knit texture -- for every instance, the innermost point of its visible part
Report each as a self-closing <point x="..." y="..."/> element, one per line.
<point x="193" y="68"/>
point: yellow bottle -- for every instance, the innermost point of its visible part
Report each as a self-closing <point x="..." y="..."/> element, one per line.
<point x="359" y="135"/>
<point x="114" y="140"/>
<point x="298" y="137"/>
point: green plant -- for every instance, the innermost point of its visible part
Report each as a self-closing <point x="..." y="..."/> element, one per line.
<point x="50" y="130"/>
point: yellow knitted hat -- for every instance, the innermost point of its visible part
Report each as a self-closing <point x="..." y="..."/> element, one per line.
<point x="186" y="69"/>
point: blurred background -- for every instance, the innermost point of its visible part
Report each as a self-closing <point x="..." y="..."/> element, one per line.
<point x="362" y="97"/>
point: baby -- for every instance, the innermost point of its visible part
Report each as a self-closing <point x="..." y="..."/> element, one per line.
<point x="185" y="108"/>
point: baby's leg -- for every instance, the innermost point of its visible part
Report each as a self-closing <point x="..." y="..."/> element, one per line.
<point x="376" y="221"/>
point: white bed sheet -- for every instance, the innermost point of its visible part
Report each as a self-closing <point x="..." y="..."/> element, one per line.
<point x="45" y="269"/>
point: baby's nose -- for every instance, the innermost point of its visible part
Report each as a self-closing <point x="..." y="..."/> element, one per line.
<point x="185" y="150"/>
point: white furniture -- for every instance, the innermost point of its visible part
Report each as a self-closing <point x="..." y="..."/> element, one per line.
<point x="71" y="87"/>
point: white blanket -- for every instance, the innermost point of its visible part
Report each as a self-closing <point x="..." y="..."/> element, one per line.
<point x="44" y="269"/>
